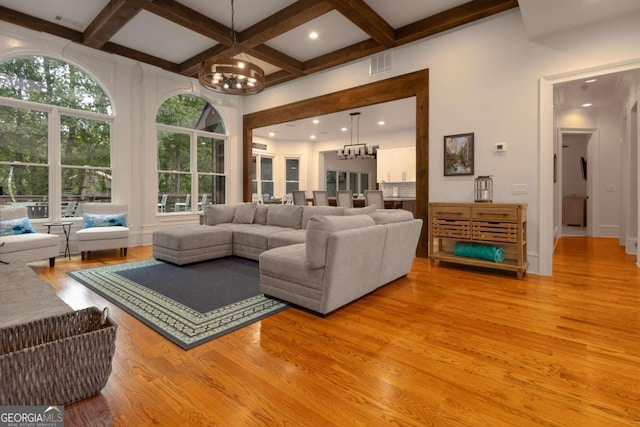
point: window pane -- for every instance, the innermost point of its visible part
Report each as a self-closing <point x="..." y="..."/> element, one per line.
<point x="331" y="183"/>
<point x="353" y="182"/>
<point x="364" y="182"/>
<point x="27" y="186"/>
<point x="266" y="168"/>
<point x="292" y="172"/>
<point x="214" y="187"/>
<point x="253" y="168"/>
<point x="23" y="135"/>
<point x="190" y="112"/>
<point x="267" y="190"/>
<point x="176" y="186"/>
<point x="210" y="155"/>
<point x="80" y="184"/>
<point x="174" y="153"/>
<point x="342" y="180"/>
<point x="54" y="82"/>
<point x="291" y="186"/>
<point x="84" y="142"/>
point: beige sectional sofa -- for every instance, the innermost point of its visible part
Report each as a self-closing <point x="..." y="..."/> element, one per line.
<point x="317" y="257"/>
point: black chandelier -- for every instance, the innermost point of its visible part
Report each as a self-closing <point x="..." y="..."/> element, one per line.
<point x="357" y="150"/>
<point x="231" y="75"/>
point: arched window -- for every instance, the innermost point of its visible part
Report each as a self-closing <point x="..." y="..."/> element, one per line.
<point x="191" y="154"/>
<point x="38" y="94"/>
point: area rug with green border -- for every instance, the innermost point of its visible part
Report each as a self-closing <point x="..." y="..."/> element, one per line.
<point x="188" y="304"/>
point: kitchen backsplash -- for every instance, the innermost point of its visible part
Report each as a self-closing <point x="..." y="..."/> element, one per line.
<point x="398" y="189"/>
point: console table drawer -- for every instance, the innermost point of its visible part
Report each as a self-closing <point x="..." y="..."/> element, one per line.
<point x="451" y="212"/>
<point x="491" y="231"/>
<point x="494" y="213"/>
<point x="451" y="228"/>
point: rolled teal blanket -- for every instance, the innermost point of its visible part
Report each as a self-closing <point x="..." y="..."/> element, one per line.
<point x="475" y="250"/>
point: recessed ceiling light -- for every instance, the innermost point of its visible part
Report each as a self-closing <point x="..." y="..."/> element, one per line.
<point x="344" y="129"/>
<point x="316" y="121"/>
<point x="313" y="35"/>
<point x="586" y="105"/>
<point x="381" y="123"/>
<point x="272" y="134"/>
<point x="312" y="137"/>
<point x="590" y="80"/>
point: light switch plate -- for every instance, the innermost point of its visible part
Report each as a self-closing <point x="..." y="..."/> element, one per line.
<point x="519" y="189"/>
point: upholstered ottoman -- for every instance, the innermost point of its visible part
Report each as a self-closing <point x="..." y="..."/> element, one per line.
<point x="191" y="243"/>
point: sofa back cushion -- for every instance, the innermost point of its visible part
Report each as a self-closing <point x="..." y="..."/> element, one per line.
<point x="285" y="216"/>
<point x="12" y="212"/>
<point x="219" y="214"/>
<point x="261" y="214"/>
<point x="244" y="213"/>
<point x="309" y="211"/>
<point x="367" y="210"/>
<point x="319" y="229"/>
<point x="389" y="216"/>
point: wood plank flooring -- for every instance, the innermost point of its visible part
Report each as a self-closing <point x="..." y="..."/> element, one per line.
<point x="445" y="346"/>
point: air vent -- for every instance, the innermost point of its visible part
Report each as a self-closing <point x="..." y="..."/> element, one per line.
<point x="381" y="63"/>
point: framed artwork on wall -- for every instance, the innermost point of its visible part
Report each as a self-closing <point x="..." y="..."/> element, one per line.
<point x="458" y="154"/>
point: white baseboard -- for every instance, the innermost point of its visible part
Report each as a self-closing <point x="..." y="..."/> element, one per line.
<point x="632" y="246"/>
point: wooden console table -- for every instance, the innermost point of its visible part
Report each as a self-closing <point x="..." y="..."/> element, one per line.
<point x="496" y="224"/>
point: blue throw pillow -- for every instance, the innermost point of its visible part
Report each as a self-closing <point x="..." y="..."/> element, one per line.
<point x="105" y="220"/>
<point x="16" y="226"/>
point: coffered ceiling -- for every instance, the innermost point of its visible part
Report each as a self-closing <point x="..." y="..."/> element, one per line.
<point x="177" y="35"/>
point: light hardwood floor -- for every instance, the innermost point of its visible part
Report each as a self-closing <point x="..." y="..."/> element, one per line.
<point x="445" y="346"/>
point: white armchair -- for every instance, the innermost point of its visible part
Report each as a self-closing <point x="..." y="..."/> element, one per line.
<point x="97" y="234"/>
<point x="25" y="247"/>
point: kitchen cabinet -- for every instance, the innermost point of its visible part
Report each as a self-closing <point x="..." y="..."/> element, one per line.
<point x="396" y="164"/>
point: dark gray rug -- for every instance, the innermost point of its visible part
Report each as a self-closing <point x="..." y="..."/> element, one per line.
<point x="188" y="304"/>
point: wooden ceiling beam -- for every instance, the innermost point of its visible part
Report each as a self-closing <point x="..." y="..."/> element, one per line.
<point x="109" y="21"/>
<point x="452" y="18"/>
<point x="285" y="20"/>
<point x="189" y="18"/>
<point x="342" y="56"/>
<point x="277" y="58"/>
<point x="190" y="66"/>
<point x="367" y="19"/>
<point x="39" y="25"/>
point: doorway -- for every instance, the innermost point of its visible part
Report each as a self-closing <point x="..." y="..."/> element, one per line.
<point x="575" y="183"/>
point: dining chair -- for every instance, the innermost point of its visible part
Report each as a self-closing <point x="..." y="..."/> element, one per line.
<point x="299" y="197"/>
<point x="344" y="198"/>
<point x="287" y="199"/>
<point x="183" y="206"/>
<point x="257" y="198"/>
<point x="162" y="206"/>
<point x="374" y="197"/>
<point x="202" y="204"/>
<point x="320" y="198"/>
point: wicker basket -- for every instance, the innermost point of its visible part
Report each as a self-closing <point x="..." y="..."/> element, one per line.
<point x="56" y="360"/>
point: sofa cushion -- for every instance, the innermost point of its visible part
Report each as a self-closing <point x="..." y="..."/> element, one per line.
<point x="319" y="229"/>
<point x="255" y="235"/>
<point x="105" y="220"/>
<point x="388" y="216"/>
<point x="244" y="213"/>
<point x="102" y="233"/>
<point x="286" y="238"/>
<point x="219" y="214"/>
<point x="309" y="211"/>
<point x="285" y="216"/>
<point x="367" y="210"/>
<point x="286" y="266"/>
<point x="27" y="242"/>
<point x="261" y="214"/>
<point x="16" y="226"/>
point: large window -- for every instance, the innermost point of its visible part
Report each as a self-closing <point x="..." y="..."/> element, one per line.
<point x="191" y="155"/>
<point x="262" y="169"/>
<point x="292" y="174"/>
<point x="55" y="143"/>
